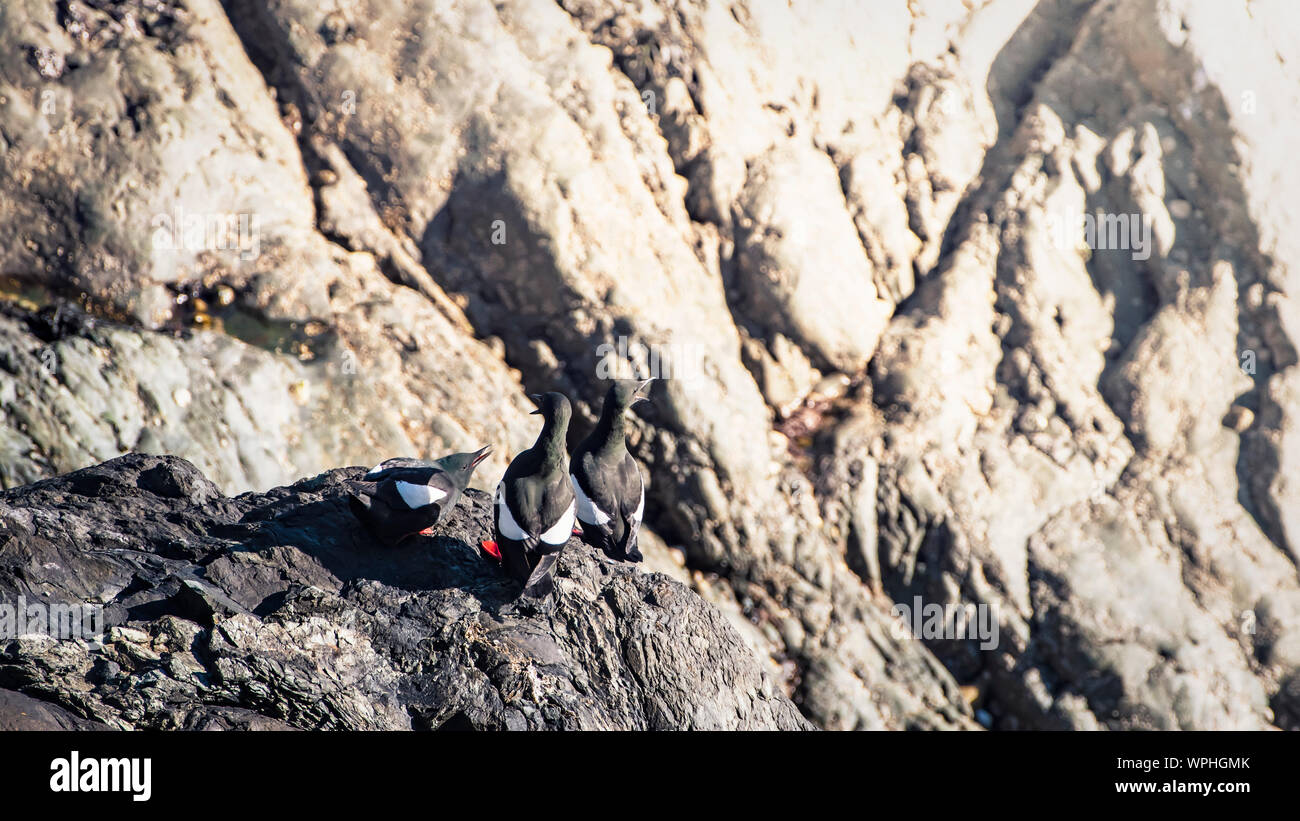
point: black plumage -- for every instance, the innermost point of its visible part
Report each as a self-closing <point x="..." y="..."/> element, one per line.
<point x="401" y="497"/>
<point x="533" y="516"/>
<point x="609" y="487"/>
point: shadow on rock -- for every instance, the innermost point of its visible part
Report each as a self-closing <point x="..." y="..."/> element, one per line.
<point x="278" y="610"/>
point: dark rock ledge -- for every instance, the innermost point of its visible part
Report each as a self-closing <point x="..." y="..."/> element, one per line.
<point x="276" y="611"/>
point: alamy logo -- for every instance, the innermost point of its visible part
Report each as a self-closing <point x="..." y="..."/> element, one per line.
<point x="207" y="232"/>
<point x="58" y="621"/>
<point x="625" y="359"/>
<point x="947" y="621"/>
<point x="1102" y="232"/>
<point x="77" y="774"/>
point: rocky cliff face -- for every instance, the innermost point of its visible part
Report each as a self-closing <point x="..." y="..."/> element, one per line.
<point x="278" y="237"/>
<point x="277" y="611"/>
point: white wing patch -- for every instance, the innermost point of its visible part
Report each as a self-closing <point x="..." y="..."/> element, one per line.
<point x="370" y="473"/>
<point x="560" y="532"/>
<point x="640" y="506"/>
<point x="419" y="495"/>
<point x="588" y="513"/>
<point x="505" y="520"/>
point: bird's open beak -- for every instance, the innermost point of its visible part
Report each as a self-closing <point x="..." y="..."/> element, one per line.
<point x="642" y="390"/>
<point x="480" y="454"/>
<point x="536" y="397"/>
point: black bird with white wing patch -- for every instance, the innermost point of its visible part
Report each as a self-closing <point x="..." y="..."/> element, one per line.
<point x="401" y="497"/>
<point x="606" y="480"/>
<point x="534" y="502"/>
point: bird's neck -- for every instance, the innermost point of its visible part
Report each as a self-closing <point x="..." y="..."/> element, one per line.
<point x="610" y="430"/>
<point x="550" y="446"/>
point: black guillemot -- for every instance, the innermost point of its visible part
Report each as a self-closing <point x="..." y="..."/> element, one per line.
<point x="610" y="491"/>
<point x="401" y="497"/>
<point x="534" y="503"/>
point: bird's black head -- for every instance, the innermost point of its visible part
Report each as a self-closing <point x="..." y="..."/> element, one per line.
<point x="625" y="393"/>
<point x="465" y="462"/>
<point x="554" y="407"/>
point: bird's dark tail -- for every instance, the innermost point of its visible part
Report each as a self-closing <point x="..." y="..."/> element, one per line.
<point x="626" y="548"/>
<point x="631" y="552"/>
<point x="540" y="584"/>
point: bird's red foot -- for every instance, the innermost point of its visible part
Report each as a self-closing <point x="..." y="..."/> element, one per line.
<point x="428" y="531"/>
<point x="577" y="530"/>
<point x="491" y="549"/>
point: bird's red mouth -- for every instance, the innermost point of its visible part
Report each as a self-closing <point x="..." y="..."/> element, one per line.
<point x="491" y="549"/>
<point x="480" y="456"/>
